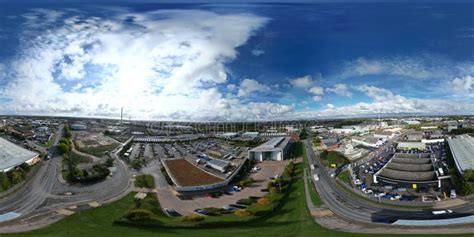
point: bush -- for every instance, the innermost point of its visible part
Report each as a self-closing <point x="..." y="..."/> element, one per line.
<point x="144" y="181"/>
<point x="246" y="182"/>
<point x="138" y="214"/>
<point x="192" y="218"/>
<point x="263" y="201"/>
<point x="245" y="201"/>
<point x="242" y="212"/>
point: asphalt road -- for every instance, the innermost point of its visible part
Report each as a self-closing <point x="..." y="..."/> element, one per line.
<point x="44" y="192"/>
<point x="344" y="205"/>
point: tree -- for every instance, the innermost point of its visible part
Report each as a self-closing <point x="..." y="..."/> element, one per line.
<point x="4" y="181"/>
<point x="63" y="148"/>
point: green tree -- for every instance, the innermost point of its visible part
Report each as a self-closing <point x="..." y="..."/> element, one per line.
<point x="4" y="181"/>
<point x="63" y="148"/>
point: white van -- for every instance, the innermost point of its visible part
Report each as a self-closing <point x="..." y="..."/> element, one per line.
<point x="452" y="194"/>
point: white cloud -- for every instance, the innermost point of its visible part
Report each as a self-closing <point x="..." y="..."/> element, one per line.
<point x="316" y="90"/>
<point x="403" y="66"/>
<point x="317" y="98"/>
<point x="463" y="85"/>
<point x="302" y="82"/>
<point x="330" y="106"/>
<point x="340" y="89"/>
<point x="167" y="67"/>
<point x="231" y="87"/>
<point x="249" y="86"/>
<point x="257" y="52"/>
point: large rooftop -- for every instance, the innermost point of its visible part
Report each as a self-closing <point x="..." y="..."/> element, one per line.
<point x="409" y="167"/>
<point x="462" y="148"/>
<point x="12" y="155"/>
<point x="273" y="144"/>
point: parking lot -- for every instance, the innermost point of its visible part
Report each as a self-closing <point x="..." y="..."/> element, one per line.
<point x="168" y="198"/>
<point x="362" y="178"/>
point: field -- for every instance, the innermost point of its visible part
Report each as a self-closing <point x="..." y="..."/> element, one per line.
<point x="291" y="219"/>
<point x="186" y="174"/>
<point x="344" y="177"/>
<point x="93" y="143"/>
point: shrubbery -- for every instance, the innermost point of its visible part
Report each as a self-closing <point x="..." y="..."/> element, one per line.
<point x="192" y="218"/>
<point x="138" y="214"/>
<point x="242" y="213"/>
<point x="144" y="181"/>
<point x="245" y="201"/>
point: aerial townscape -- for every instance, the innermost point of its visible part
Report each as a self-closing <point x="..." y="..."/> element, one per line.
<point x="268" y="118"/>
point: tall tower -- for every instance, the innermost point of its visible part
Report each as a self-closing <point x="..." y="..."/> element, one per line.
<point x="121" y="115"/>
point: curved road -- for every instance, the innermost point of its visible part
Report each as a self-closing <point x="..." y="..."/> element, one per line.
<point x="345" y="206"/>
<point x="45" y="193"/>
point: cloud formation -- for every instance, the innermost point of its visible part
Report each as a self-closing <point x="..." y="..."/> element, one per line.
<point x="158" y="65"/>
<point x="249" y="86"/>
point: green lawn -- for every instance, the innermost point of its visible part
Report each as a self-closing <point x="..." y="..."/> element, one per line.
<point x="332" y="157"/>
<point x="344" y="177"/>
<point x="144" y="181"/>
<point x="291" y="219"/>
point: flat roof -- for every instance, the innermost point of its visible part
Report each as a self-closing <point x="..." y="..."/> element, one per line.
<point x="12" y="155"/>
<point x="462" y="148"/>
<point x="273" y="144"/>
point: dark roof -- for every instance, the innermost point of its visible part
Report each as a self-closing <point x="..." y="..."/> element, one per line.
<point x="408" y="175"/>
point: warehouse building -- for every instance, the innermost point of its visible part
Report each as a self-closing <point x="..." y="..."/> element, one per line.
<point x="409" y="171"/>
<point x="219" y="165"/>
<point x="274" y="149"/>
<point x="12" y="155"/>
<point x="462" y="148"/>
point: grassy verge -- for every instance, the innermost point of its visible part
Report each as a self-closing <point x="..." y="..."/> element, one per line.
<point x="344" y="177"/>
<point x="144" y="181"/>
<point x="290" y="219"/>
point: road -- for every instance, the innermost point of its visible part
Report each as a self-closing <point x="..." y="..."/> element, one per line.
<point x="45" y="193"/>
<point x="345" y="206"/>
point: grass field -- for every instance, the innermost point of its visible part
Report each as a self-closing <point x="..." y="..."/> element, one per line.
<point x="144" y="181"/>
<point x="344" y="177"/>
<point x="292" y="219"/>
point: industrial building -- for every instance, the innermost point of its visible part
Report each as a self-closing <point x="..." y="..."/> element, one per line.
<point x="369" y="141"/>
<point x="274" y="149"/>
<point x="12" y="155"/>
<point x="409" y="171"/>
<point x="462" y="148"/>
<point x="219" y="165"/>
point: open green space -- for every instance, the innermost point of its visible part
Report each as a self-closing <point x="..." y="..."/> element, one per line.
<point x="330" y="158"/>
<point x="144" y="181"/>
<point x="290" y="219"/>
<point x="344" y="176"/>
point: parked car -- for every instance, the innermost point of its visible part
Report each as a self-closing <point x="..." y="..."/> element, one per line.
<point x="172" y="212"/>
<point x="239" y="206"/>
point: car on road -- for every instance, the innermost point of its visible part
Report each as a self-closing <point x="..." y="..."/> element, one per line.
<point x="172" y="212"/>
<point x="379" y="194"/>
<point x="440" y="212"/>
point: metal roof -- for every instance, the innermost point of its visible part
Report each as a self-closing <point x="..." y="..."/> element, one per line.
<point x="273" y="144"/>
<point x="462" y="148"/>
<point x="12" y="155"/>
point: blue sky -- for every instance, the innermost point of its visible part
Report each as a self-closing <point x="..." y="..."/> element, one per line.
<point x="236" y="61"/>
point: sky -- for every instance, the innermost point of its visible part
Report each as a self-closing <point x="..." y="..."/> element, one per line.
<point x="236" y="62"/>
